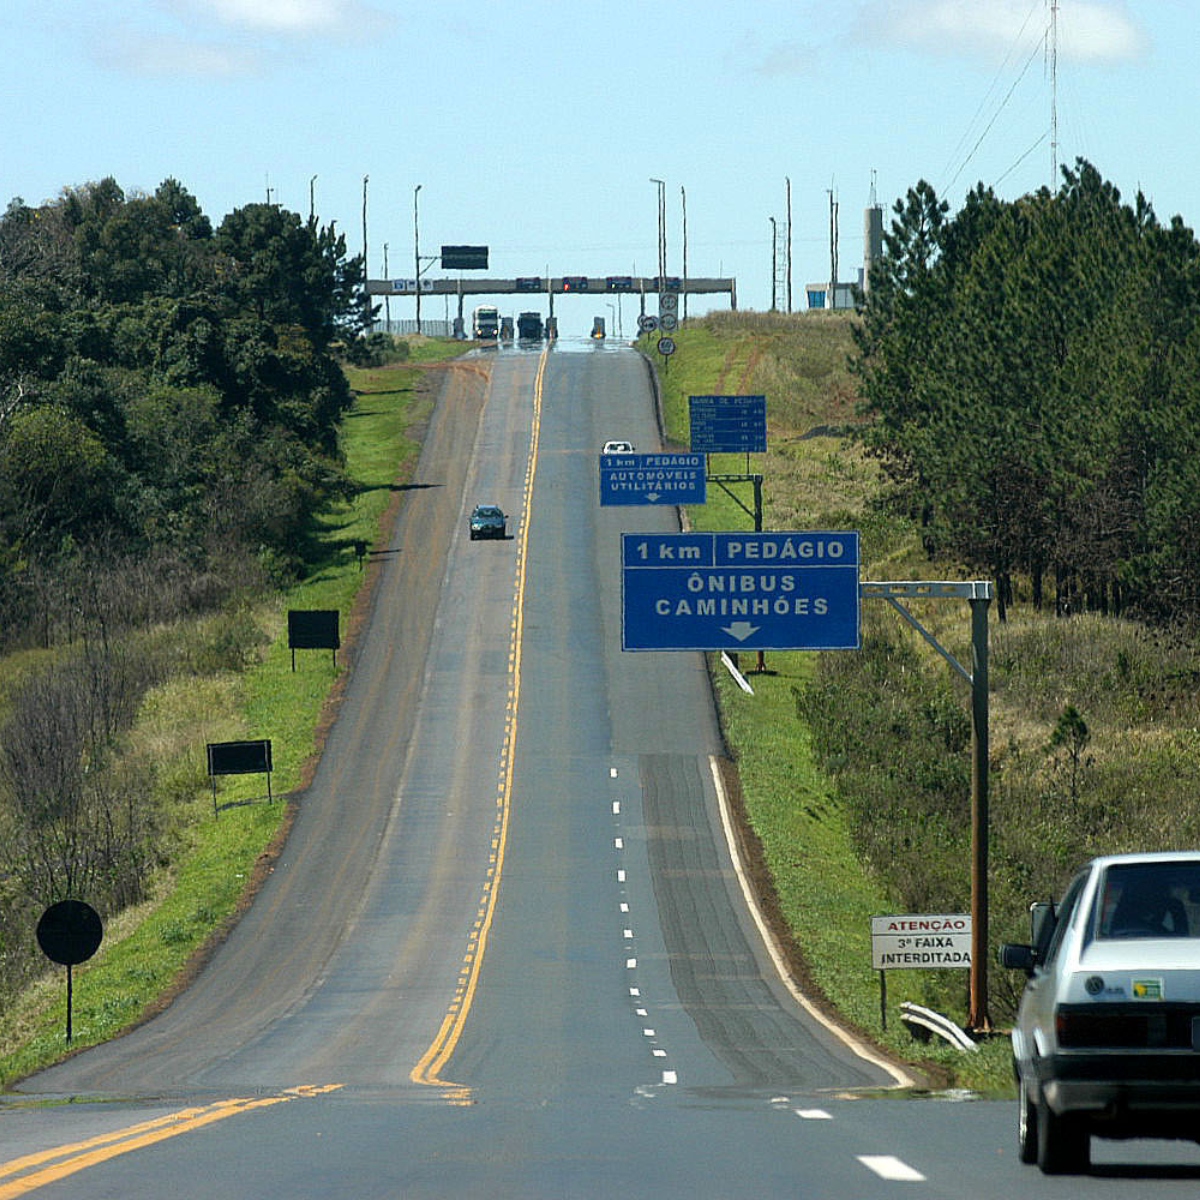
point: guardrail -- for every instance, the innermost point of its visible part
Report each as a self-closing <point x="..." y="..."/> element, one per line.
<point x="922" y="1022"/>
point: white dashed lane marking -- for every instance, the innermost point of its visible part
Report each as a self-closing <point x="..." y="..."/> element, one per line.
<point x="887" y="1166"/>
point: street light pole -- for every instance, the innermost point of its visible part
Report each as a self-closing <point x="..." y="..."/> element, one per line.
<point x="683" y="195"/>
<point x="387" y="300"/>
<point x="662" y="230"/>
<point x="417" y="252"/>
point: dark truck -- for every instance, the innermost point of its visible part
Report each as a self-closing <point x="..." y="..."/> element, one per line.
<point x="529" y="327"/>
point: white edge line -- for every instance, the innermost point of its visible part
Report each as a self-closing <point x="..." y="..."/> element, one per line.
<point x="902" y="1078"/>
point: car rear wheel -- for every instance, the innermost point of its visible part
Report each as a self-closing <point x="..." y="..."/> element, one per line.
<point x="1063" y="1142"/>
<point x="1027" y="1130"/>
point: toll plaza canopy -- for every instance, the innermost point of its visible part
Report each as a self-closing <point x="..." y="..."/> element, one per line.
<point x="556" y="286"/>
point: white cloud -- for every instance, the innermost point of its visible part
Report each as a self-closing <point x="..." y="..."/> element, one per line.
<point x="295" y="18"/>
<point x="1088" y="30"/>
<point x="175" y="58"/>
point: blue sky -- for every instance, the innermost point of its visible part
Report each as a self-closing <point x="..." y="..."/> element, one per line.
<point x="535" y="128"/>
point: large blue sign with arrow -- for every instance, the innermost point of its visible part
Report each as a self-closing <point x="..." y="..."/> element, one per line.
<point x="662" y="479"/>
<point x="740" y="591"/>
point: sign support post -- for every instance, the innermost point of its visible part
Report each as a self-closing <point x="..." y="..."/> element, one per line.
<point x="979" y="594"/>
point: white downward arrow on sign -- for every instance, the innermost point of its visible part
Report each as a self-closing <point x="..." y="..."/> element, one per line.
<point x="652" y="496"/>
<point x="741" y="630"/>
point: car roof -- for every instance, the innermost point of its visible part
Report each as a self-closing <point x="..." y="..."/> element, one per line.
<point x="1149" y="857"/>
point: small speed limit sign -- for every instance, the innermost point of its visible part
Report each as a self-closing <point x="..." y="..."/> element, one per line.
<point x="666" y="346"/>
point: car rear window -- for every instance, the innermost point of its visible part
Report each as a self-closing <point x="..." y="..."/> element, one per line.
<point x="1147" y="900"/>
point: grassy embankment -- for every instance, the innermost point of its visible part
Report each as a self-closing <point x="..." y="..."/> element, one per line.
<point x="813" y="479"/>
<point x="146" y="951"/>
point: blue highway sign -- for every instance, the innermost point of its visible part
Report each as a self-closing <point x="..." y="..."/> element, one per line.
<point x="663" y="479"/>
<point x="728" y="424"/>
<point x="740" y="591"/>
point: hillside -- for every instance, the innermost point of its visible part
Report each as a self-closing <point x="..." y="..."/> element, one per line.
<point x="856" y="766"/>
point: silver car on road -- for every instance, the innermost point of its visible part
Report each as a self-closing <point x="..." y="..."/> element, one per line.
<point x="1107" y="1039"/>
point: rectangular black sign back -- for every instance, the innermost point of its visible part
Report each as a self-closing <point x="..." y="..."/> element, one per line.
<point x="313" y="629"/>
<point x="239" y="758"/>
<point x="464" y="258"/>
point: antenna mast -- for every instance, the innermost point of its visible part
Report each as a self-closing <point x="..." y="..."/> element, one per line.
<point x="1053" y="94"/>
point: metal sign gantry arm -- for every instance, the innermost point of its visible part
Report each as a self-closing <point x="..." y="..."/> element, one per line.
<point x="979" y="595"/>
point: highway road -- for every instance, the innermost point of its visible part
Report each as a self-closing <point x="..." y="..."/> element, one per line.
<point x="506" y="951"/>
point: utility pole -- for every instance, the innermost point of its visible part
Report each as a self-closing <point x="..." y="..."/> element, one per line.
<point x="662" y="230"/>
<point x="833" y="248"/>
<point x="364" y="222"/>
<point x="683" y="195"/>
<point x="387" y="300"/>
<point x="788" y="181"/>
<point x="417" y="253"/>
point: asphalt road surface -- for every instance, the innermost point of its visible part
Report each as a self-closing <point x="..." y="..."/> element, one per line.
<point x="506" y="951"/>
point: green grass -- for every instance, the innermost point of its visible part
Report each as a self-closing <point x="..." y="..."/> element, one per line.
<point x="821" y="481"/>
<point x="810" y="481"/>
<point x="147" y="950"/>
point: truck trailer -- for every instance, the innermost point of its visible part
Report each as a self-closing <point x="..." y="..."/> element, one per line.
<point x="529" y="327"/>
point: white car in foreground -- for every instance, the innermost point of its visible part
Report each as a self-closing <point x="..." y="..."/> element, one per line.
<point x="1107" y="1040"/>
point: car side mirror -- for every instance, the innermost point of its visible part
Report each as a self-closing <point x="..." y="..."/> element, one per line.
<point x="1017" y="957"/>
<point x="1043" y="919"/>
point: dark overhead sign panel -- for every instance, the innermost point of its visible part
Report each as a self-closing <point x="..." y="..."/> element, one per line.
<point x="464" y="258"/>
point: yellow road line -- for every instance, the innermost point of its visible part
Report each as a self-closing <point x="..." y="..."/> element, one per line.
<point x="34" y="1171"/>
<point x="432" y="1062"/>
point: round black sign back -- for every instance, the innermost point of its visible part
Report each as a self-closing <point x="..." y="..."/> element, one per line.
<point x="70" y="932"/>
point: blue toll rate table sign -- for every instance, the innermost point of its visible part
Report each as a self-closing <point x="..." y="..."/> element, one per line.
<point x="740" y="591"/>
<point x="662" y="479"/>
<point x="728" y="424"/>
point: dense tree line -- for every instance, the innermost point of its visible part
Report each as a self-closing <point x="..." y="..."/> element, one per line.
<point x="170" y="395"/>
<point x="167" y="391"/>
<point x="1033" y="371"/>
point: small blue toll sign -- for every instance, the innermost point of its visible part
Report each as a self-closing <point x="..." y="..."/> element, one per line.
<point x="662" y="479"/>
<point x="740" y="591"/>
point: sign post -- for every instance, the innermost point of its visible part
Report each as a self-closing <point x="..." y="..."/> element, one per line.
<point x="68" y="933"/>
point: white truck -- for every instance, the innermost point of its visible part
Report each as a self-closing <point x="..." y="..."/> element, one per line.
<point x="485" y="323"/>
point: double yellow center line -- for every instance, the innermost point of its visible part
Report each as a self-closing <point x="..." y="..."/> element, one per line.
<point x="433" y="1061"/>
<point x="23" y="1175"/>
